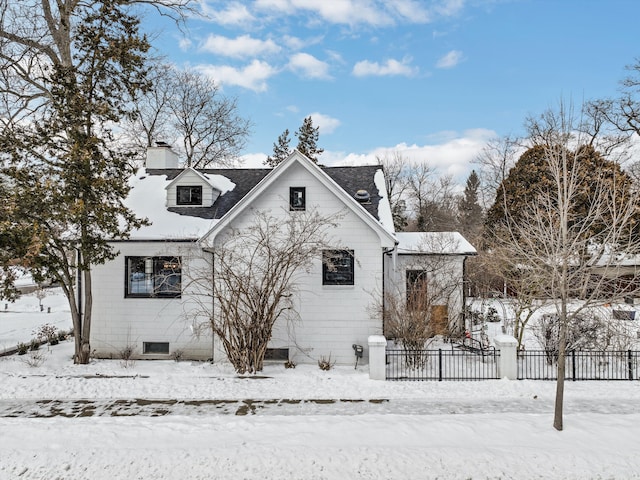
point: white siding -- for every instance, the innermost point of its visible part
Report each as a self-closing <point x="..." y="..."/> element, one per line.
<point x="330" y="318"/>
<point x="190" y="178"/>
<point x="119" y="322"/>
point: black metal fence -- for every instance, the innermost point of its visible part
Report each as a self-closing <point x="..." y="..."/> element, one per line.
<point x="442" y="365"/>
<point x="579" y="365"/>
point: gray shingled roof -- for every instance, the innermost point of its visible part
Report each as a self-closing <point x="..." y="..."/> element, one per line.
<point x="351" y="179"/>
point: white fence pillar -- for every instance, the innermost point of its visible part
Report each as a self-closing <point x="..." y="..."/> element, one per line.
<point x="508" y="364"/>
<point x="377" y="357"/>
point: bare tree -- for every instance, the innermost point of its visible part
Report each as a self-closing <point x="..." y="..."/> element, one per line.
<point x="396" y="169"/>
<point x="210" y="127"/>
<point x="188" y="108"/>
<point x="495" y="160"/>
<point x="420" y="178"/>
<point x="152" y="119"/>
<point x="558" y="239"/>
<point x="254" y="278"/>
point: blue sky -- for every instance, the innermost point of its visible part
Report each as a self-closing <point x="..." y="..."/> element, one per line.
<point x="431" y="79"/>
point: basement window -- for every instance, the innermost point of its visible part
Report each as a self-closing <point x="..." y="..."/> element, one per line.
<point x="277" y="354"/>
<point x="155" y="347"/>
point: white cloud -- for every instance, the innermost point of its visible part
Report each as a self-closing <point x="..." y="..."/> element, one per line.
<point x="252" y="77"/>
<point x="235" y="14"/>
<point x="409" y="10"/>
<point x="389" y="68"/>
<point x="450" y="60"/>
<point x="449" y="8"/>
<point x="254" y="160"/>
<point x="309" y="66"/>
<point x="453" y="156"/>
<point x="184" y="44"/>
<point x="349" y="12"/>
<point x="378" y="13"/>
<point x="326" y="123"/>
<point x="296" y="43"/>
<point x="239" y="47"/>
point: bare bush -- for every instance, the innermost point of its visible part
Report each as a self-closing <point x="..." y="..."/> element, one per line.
<point x="126" y="356"/>
<point x="34" y="359"/>
<point x="255" y="269"/>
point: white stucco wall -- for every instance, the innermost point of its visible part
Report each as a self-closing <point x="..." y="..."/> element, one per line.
<point x="119" y="322"/>
<point x="330" y="319"/>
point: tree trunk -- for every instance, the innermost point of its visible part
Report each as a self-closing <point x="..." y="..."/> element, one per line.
<point x="562" y="352"/>
<point x="557" y="416"/>
<point x="84" y="353"/>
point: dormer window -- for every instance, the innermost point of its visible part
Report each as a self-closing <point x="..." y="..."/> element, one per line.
<point x="297" y="198"/>
<point x="189" y="195"/>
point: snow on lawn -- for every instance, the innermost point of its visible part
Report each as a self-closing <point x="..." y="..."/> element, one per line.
<point x="19" y="319"/>
<point x="190" y="420"/>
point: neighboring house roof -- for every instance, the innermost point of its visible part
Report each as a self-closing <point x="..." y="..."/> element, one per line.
<point x="343" y="181"/>
<point x="443" y="243"/>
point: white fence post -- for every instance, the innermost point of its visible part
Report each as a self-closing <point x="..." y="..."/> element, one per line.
<point x="377" y="357"/>
<point x="508" y="363"/>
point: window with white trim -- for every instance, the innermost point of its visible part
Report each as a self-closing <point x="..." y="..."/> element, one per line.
<point x="189" y="195"/>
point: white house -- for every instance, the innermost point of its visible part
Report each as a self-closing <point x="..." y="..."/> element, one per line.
<point x="144" y="300"/>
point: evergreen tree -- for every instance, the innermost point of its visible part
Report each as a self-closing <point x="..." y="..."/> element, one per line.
<point x="469" y="210"/>
<point x="308" y="140"/>
<point x="531" y="178"/>
<point x="67" y="177"/>
<point x="281" y="150"/>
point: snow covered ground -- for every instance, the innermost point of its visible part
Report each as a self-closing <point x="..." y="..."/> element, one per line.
<point x="170" y="420"/>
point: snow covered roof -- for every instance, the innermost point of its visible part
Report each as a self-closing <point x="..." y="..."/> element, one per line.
<point x="445" y="243"/>
<point x="218" y="182"/>
<point x="148" y="198"/>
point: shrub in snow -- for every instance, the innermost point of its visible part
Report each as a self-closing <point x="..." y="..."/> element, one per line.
<point x="47" y="333"/>
<point x="325" y="363"/>
<point x="34" y="359"/>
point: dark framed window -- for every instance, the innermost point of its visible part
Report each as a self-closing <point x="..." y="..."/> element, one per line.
<point x="337" y="267"/>
<point x="155" y="347"/>
<point x="189" y="195"/>
<point x="297" y="198"/>
<point x="417" y="290"/>
<point x="153" y="277"/>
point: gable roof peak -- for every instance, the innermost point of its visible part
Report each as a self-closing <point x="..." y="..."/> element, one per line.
<point x="187" y="170"/>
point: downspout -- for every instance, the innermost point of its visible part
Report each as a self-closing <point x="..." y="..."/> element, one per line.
<point x="464" y="293"/>
<point x="213" y="306"/>
<point x="387" y="251"/>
